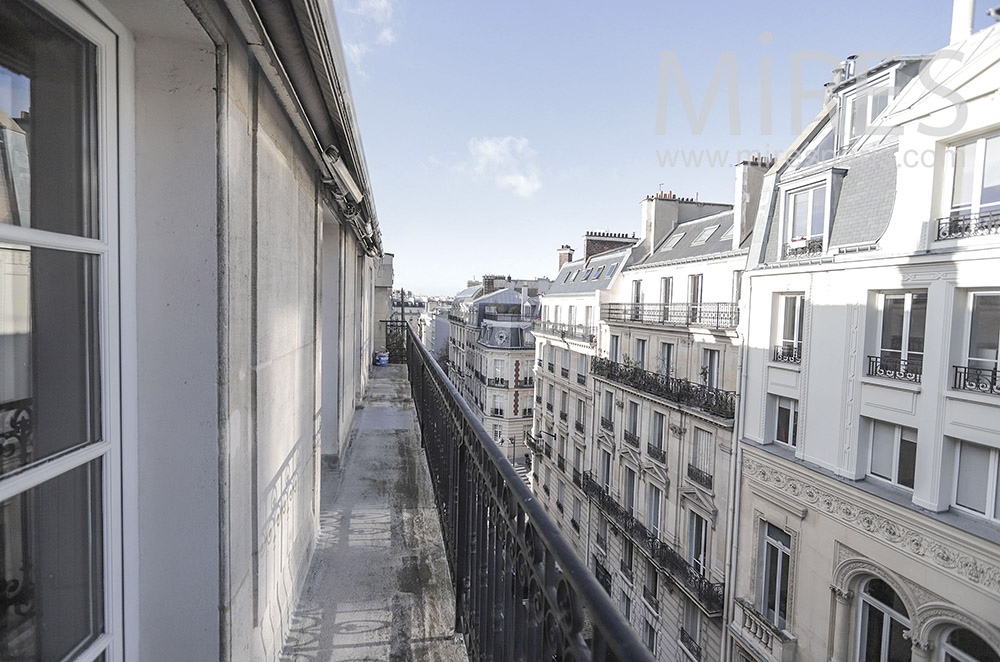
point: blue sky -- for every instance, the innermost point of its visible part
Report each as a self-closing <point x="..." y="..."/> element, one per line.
<point x="496" y="132"/>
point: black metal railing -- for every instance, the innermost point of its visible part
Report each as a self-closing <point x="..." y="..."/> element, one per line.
<point x="581" y="379"/>
<point x="16" y="443"/>
<point x="970" y="225"/>
<point x="564" y="373"/>
<point x="699" y="396"/>
<point x="587" y="334"/>
<point x="548" y="450"/>
<point x="552" y="367"/>
<point x="527" y="382"/>
<point x="548" y="406"/>
<point x="890" y="367"/>
<point x="538" y="399"/>
<point x="577" y="477"/>
<point x="656" y="453"/>
<point x="709" y="594"/>
<point x="578" y="425"/>
<point x="631" y="438"/>
<point x="787" y="354"/>
<point x="532" y="442"/>
<point x="699" y="476"/>
<point x="507" y="317"/>
<point x="650" y="597"/>
<point x="496" y="411"/>
<point x="688" y="642"/>
<point x="607" y="424"/>
<point x="497" y="382"/>
<point x="521" y="591"/>
<point x="561" y="462"/>
<point x="804" y="248"/>
<point x="395" y="340"/>
<point x="626" y="570"/>
<point x="978" y="380"/>
<point x="563" y="416"/>
<point x="526" y="413"/>
<point x="706" y="315"/>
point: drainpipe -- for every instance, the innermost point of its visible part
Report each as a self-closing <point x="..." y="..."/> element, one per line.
<point x="735" y="479"/>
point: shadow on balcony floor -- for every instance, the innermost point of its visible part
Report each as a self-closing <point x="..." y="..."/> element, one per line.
<point x="378" y="587"/>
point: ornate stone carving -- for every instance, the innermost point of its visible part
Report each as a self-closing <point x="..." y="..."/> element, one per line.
<point x="935" y="549"/>
<point x="842" y="594"/>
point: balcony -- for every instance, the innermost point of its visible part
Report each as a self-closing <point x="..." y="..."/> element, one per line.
<point x="527" y="382"/>
<point x="691" y="394"/>
<point x="703" y="478"/>
<point x="564" y="373"/>
<point x="977" y="380"/>
<point x="587" y="334"/>
<point x="971" y="225"/>
<point x="526" y="413"/>
<point x="563" y="416"/>
<point x="538" y="399"/>
<point x="803" y="249"/>
<point x="549" y="407"/>
<point x="787" y="354"/>
<point x="497" y="412"/>
<point x="575" y="525"/>
<point x="497" y="382"/>
<point x="561" y="462"/>
<point x="603" y="576"/>
<point x="577" y="477"/>
<point x="775" y="644"/>
<point x="581" y="379"/>
<point x="656" y="453"/>
<point x="548" y="450"/>
<point x="532" y="442"/>
<point x="626" y="570"/>
<point x="607" y="424"/>
<point x="552" y="367"/>
<point x="631" y="438"/>
<point x="650" y="598"/>
<point x="578" y="426"/>
<point x="700" y="315"/>
<point x="688" y="642"/>
<point x="698" y="587"/>
<point x="895" y="368"/>
<point x="507" y="317"/>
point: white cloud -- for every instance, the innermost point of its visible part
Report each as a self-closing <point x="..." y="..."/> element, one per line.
<point x="373" y="27"/>
<point x="354" y="53"/>
<point x="509" y="161"/>
<point x="386" y="36"/>
<point x="377" y="11"/>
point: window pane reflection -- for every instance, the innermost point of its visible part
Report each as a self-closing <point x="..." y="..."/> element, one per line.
<point x="52" y="565"/>
<point x="49" y="385"/>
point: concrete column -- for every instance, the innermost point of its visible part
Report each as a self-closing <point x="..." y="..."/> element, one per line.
<point x="842" y="624"/>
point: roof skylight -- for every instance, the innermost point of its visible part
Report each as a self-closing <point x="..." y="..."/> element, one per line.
<point x="705" y="234"/>
<point x="673" y="241"/>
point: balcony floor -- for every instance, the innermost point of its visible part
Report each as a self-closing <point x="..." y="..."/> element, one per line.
<point x="378" y="587"/>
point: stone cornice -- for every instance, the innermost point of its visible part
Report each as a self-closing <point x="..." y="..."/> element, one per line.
<point x="929" y="541"/>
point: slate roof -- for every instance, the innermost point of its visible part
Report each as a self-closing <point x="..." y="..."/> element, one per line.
<point x="609" y="264"/>
<point x="679" y="244"/>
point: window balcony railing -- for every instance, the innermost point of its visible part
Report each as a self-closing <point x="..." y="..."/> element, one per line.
<point x="698" y="587"/>
<point x="552" y="367"/>
<point x="538" y="399"/>
<point x="497" y="382"/>
<point x="699" y="396"/>
<point x="561" y="462"/>
<point x="532" y="442"/>
<point x="548" y="450"/>
<point x="626" y="570"/>
<point x="549" y="407"/>
<point x="607" y="424"/>
<point x="563" y="416"/>
<point x="577" y="477"/>
<point x="603" y="576"/>
<point x="527" y="382"/>
<point x="481" y="499"/>
<point x="703" y="315"/>
<point x="978" y="380"/>
<point x="907" y="370"/>
<point x="970" y="225"/>
<point x="806" y="248"/>
<point x="787" y="354"/>
<point x="496" y="412"/>
<point x="776" y="644"/>
<point x="699" y="476"/>
<point x="602" y="542"/>
<point x="688" y="642"/>
<point x="538" y="363"/>
<point x="650" y="598"/>
<point x="587" y="334"/>
<point x="656" y="453"/>
<point x="575" y="525"/>
<point x="631" y="438"/>
<point x="564" y="373"/>
<point x="578" y="425"/>
<point x="507" y="317"/>
<point x="581" y="379"/>
<point x="526" y="413"/>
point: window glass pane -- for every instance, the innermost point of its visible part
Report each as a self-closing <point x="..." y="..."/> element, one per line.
<point x="47" y="122"/>
<point x="883" y="446"/>
<point x="800" y="214"/>
<point x="918" y="317"/>
<point x="859" y="115"/>
<point x="991" y="175"/>
<point x="961" y="196"/>
<point x="783" y="421"/>
<point x="791" y="317"/>
<point x="971" y="644"/>
<point x="892" y="325"/>
<point x="51" y="553"/>
<point x="818" y="214"/>
<point x="907" y="457"/>
<point x="871" y="626"/>
<point x="49" y="390"/>
<point x="783" y="538"/>
<point x="973" y="474"/>
<point x="783" y="588"/>
<point x="880" y="99"/>
<point x="771" y="582"/>
<point x="900" y="648"/>
<point x="985" y="331"/>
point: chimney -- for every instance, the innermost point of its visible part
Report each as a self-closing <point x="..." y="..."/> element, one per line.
<point x="595" y="243"/>
<point x="749" y="181"/>
<point x="565" y="255"/>
<point x="660" y="213"/>
<point x="962" y="18"/>
<point x="840" y="73"/>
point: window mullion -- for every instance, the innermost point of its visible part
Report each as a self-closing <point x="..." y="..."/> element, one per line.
<point x="978" y="171"/>
<point x="905" y="345"/>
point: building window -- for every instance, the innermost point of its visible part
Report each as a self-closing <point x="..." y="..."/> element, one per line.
<point x="666" y="291"/>
<point x="710" y="367"/>
<point x="571" y="315"/>
<point x="702" y="464"/>
<point x="499" y="368"/>
<point x="893" y="453"/>
<point x="581" y="412"/>
<point x="775" y="559"/>
<point x="613" y="348"/>
<point x="666" y="365"/>
<point x="883" y="621"/>
<point x="977" y="477"/>
<point x="656" y="434"/>
<point x="602" y="532"/>
<point x="497" y="432"/>
<point x="695" y="283"/>
<point x="564" y="403"/>
<point x="628" y="491"/>
<point x="608" y="406"/>
<point x="605" y="470"/>
<point x="737" y="285"/>
<point x="691" y="629"/>
<point x="581" y="365"/>
<point x="640" y="353"/>
<point x="628" y="556"/>
<point x="588" y="316"/>
<point x="976" y="178"/>
<point x="786" y="428"/>
<point x="58" y="321"/>
<point x="652" y="584"/>
<point x="984" y="333"/>
<point x="866" y="106"/>
<point x="698" y="543"/>
<point x="654" y="500"/>
<point x="632" y="421"/>
<point x="805" y="215"/>
<point x="626" y="606"/>
<point x="791" y="310"/>
<point x="965" y="646"/>
<point x="649" y="636"/>
<point x="576" y="509"/>
<point x="636" y="291"/>
<point x="901" y="338"/>
<point x="552" y="396"/>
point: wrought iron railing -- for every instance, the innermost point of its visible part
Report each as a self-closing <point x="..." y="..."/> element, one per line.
<point x="496" y="411"/>
<point x="971" y="225"/>
<point x="395" y="340"/>
<point x="532" y="442"/>
<point x="563" y="416"/>
<point x="692" y="646"/>
<point x="564" y="373"/>
<point x="551" y="366"/>
<point x="538" y="399"/>
<point x="607" y="424"/>
<point x="631" y="438"/>
<point x="548" y="406"/>
<point x="527" y="413"/>
<point x="709" y="594"/>
<point x="787" y="354"/>
<point x="578" y="425"/>
<point x="907" y="370"/>
<point x="507" y="317"/>
<point x="656" y="453"/>
<point x="577" y="477"/>
<point x="581" y="379"/>
<point x="699" y="476"/>
<point x="804" y="248"/>
<point x="979" y="380"/>
<point x="650" y="597"/>
<point x="587" y="334"/>
<point x="561" y="462"/>
<point x="522" y="593"/>
<point x="497" y="382"/>
<point x="700" y="396"/>
<point x="706" y="315"/>
<point x="527" y="382"/>
<point x="626" y="570"/>
<point x="16" y="445"/>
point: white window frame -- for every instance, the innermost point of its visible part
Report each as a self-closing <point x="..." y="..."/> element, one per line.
<point x="784" y="557"/>
<point x="887" y="613"/>
<point x="666" y="358"/>
<point x="711" y="363"/>
<point x="905" y="351"/>
<point x="698" y="536"/>
<point x="656" y="436"/>
<point x="793" y="420"/>
<point x="640" y="352"/>
<point x="992" y="482"/>
<point x="787" y="190"/>
<point x="978" y="171"/>
<point x="898" y="433"/>
<point x="967" y="343"/>
<point x="115" y="292"/>
<point x="654" y="508"/>
<point x="866" y="93"/>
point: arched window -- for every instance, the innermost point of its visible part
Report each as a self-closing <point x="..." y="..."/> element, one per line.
<point x="883" y="620"/>
<point x="965" y="646"/>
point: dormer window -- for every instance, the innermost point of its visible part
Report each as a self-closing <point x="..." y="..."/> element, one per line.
<point x="864" y="106"/>
<point x="807" y="214"/>
<point x="673" y="241"/>
<point x="598" y="274"/>
<point x="704" y="236"/>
